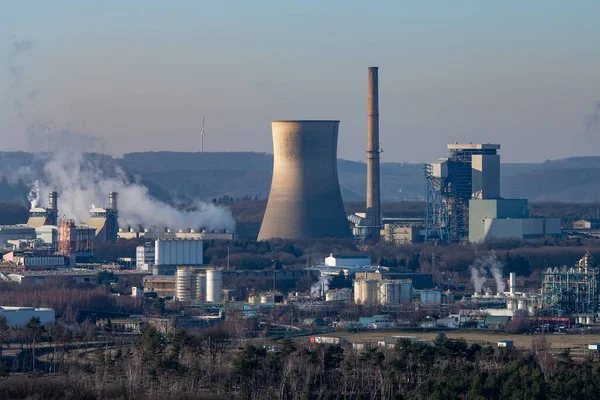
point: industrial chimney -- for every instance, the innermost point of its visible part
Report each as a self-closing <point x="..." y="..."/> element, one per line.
<point x="112" y="200"/>
<point x="53" y="200"/>
<point x="305" y="200"/>
<point x="373" y="187"/>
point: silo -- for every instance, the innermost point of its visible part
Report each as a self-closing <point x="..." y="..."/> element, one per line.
<point x="201" y="287"/>
<point x="389" y="293"/>
<point x="305" y="200"/>
<point x="184" y="284"/>
<point x="358" y="291"/>
<point x="405" y="291"/>
<point x="370" y="292"/>
<point x="214" y="282"/>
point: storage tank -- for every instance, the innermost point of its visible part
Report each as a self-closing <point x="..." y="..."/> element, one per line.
<point x="358" y="291"/>
<point x="431" y="296"/>
<point x="405" y="291"/>
<point x="201" y="287"/>
<point x="390" y="293"/>
<point x="253" y="299"/>
<point x="214" y="283"/>
<point x="522" y="303"/>
<point x="511" y="304"/>
<point x="184" y="284"/>
<point x="369" y="292"/>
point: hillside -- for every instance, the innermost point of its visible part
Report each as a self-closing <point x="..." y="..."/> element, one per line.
<point x="182" y="176"/>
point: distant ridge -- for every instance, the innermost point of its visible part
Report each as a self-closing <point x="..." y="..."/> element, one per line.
<point x="208" y="175"/>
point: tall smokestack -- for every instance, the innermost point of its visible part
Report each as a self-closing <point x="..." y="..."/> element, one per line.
<point x="53" y="200"/>
<point x="373" y="192"/>
<point x="112" y="200"/>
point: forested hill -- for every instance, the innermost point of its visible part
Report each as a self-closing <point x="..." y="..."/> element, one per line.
<point x="207" y="175"/>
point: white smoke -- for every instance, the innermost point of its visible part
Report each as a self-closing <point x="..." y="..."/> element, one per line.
<point x="83" y="182"/>
<point x="34" y="194"/>
<point x="485" y="266"/>
<point x="321" y="287"/>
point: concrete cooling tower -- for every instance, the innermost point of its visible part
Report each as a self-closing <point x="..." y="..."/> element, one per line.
<point x="305" y="200"/>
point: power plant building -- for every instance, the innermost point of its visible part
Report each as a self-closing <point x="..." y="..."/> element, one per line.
<point x="39" y="216"/>
<point x="507" y="219"/>
<point x="305" y="201"/>
<point x="106" y="220"/>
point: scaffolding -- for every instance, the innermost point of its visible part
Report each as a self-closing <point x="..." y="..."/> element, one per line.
<point x="572" y="291"/>
<point x="436" y="207"/>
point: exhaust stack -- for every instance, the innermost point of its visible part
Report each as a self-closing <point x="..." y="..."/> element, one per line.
<point x="373" y="150"/>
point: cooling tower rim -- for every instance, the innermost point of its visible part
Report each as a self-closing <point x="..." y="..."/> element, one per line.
<point x="305" y="120"/>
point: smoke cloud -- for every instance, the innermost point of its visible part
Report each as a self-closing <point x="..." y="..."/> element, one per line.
<point x="482" y="268"/>
<point x="321" y="287"/>
<point x="85" y="180"/>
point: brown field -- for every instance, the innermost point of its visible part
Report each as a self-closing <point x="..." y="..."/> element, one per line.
<point x="574" y="341"/>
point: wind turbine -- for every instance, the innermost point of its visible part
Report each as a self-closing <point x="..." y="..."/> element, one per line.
<point x="202" y="135"/>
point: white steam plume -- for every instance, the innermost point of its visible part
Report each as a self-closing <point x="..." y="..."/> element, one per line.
<point x="483" y="266"/>
<point x="81" y="182"/>
<point x="321" y="285"/>
<point x="34" y="194"/>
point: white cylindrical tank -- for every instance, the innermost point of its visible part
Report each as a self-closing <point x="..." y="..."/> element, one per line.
<point x="184" y="284"/>
<point x="512" y="283"/>
<point x="588" y="320"/>
<point x="358" y="291"/>
<point x="511" y="304"/>
<point x="214" y="283"/>
<point x="522" y="303"/>
<point x="369" y="292"/>
<point x="201" y="287"/>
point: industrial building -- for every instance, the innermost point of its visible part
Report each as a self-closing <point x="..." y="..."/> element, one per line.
<point x="106" y="220"/>
<point x="171" y="253"/>
<point x="167" y="233"/>
<point x="14" y="232"/>
<point x="472" y="171"/>
<point x="35" y="260"/>
<point x="572" y="291"/>
<point x="403" y="230"/>
<point x="17" y="317"/>
<point x="463" y="200"/>
<point x="419" y="281"/>
<point x="144" y="256"/>
<point x="507" y="218"/>
<point x="305" y="201"/>
<point x="347" y="260"/>
<point x="39" y="216"/>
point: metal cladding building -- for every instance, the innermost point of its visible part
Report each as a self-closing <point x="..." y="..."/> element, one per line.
<point x="45" y="216"/>
<point x="305" y="201"/>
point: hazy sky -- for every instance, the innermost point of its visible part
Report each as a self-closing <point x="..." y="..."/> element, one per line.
<point x="141" y="74"/>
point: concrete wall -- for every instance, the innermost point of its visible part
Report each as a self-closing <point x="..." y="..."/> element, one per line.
<point x="520" y="228"/>
<point x="305" y="200"/>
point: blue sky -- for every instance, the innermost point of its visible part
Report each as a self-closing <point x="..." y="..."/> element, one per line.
<point x="141" y="74"/>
